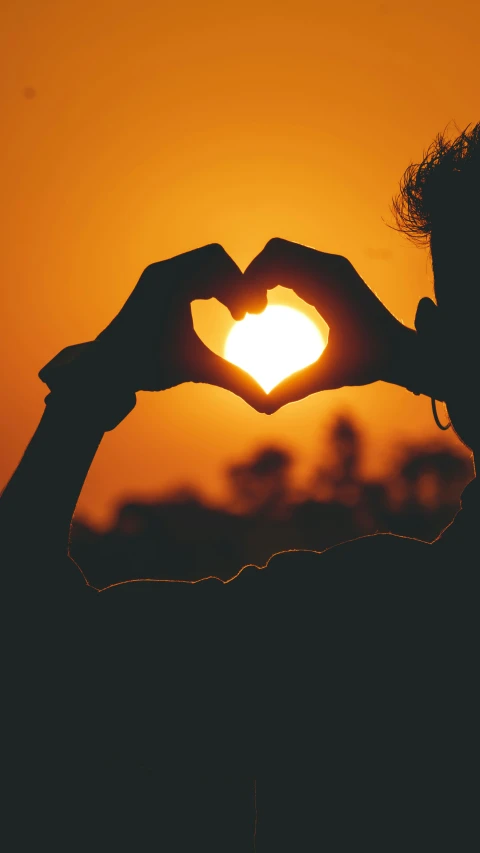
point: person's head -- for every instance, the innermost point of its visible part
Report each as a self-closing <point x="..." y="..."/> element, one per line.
<point x="439" y="206"/>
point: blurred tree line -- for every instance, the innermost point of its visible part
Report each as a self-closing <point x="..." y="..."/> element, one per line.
<point x="181" y="537"/>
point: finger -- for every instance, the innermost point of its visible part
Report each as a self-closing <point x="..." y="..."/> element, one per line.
<point x="214" y="370"/>
<point x="328" y="282"/>
<point x="322" y="375"/>
<point x="168" y="287"/>
<point x="210" y="272"/>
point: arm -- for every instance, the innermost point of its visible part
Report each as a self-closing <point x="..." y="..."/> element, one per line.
<point x="37" y="505"/>
<point x="150" y="345"/>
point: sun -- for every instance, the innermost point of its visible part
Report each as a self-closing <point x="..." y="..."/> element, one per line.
<point x="274" y="344"/>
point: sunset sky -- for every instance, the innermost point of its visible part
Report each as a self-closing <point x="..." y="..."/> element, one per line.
<point x="134" y="131"/>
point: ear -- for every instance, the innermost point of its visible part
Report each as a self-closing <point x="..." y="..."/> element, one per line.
<point x="431" y="337"/>
<point x="427" y="318"/>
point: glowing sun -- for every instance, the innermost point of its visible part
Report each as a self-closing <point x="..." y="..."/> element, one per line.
<point x="274" y="344"/>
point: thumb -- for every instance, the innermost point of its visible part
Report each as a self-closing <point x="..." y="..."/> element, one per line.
<point x="214" y="370"/>
<point x="322" y="375"/>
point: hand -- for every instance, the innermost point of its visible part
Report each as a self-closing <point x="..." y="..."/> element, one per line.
<point x="366" y="343"/>
<point x="152" y="344"/>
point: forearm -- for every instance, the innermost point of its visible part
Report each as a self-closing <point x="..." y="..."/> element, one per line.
<point x="87" y="399"/>
<point x="37" y="505"/>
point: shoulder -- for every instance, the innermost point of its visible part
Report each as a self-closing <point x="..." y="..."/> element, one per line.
<point x="379" y="550"/>
<point x="47" y="585"/>
<point x="372" y="581"/>
<point x="359" y="563"/>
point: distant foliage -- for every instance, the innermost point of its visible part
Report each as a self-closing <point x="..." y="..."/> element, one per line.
<point x="180" y="537"/>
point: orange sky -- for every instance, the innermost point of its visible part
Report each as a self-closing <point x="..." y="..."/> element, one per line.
<point x="133" y="131"/>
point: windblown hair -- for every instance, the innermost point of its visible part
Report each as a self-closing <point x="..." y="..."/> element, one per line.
<point x="443" y="189"/>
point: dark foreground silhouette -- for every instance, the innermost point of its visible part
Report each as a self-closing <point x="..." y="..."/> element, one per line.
<point x="323" y="702"/>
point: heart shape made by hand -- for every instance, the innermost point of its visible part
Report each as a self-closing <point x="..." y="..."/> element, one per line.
<point x="287" y="336"/>
<point x="154" y="342"/>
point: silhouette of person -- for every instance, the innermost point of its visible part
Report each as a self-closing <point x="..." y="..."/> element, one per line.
<point x="325" y="701"/>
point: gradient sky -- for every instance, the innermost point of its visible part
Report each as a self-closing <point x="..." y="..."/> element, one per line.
<point x="134" y="131"/>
